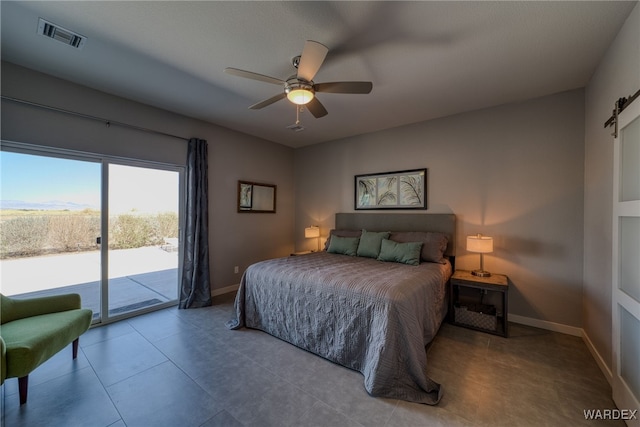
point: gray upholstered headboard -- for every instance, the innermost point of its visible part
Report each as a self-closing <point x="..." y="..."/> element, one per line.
<point x="442" y="223"/>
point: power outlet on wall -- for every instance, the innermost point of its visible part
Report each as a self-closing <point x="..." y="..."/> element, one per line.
<point x="236" y="269"/>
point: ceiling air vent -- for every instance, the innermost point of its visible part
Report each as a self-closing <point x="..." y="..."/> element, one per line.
<point x="56" y="32"/>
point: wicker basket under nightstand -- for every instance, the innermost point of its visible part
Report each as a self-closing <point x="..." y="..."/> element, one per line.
<point x="480" y="303"/>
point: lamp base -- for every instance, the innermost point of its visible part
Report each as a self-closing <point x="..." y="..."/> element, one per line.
<point x="481" y="273"/>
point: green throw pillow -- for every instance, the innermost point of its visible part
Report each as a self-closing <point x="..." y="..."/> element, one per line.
<point x="343" y="245"/>
<point x="406" y="253"/>
<point x="370" y="243"/>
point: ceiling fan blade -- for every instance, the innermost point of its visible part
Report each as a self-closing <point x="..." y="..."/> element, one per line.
<point x="253" y="76"/>
<point x="316" y="108"/>
<point x="269" y="101"/>
<point x="344" y="87"/>
<point x="311" y="59"/>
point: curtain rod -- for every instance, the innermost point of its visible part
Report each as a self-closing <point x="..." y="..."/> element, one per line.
<point x="87" y="116"/>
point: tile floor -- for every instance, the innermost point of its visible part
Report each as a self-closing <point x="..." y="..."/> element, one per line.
<point x="184" y="368"/>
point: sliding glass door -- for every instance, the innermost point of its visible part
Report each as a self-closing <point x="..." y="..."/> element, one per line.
<point x="143" y="237"/>
<point x="59" y="208"/>
<point x="49" y="221"/>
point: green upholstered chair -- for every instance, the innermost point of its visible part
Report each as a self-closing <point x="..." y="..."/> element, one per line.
<point x="33" y="330"/>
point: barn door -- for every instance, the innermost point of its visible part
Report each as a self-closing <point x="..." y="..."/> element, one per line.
<point x="626" y="266"/>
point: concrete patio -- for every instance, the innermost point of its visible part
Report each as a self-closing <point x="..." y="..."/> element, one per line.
<point x="138" y="278"/>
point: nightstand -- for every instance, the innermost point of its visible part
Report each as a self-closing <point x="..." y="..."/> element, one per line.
<point x="479" y="303"/>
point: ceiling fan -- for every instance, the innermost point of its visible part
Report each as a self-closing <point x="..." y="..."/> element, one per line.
<point x="300" y="88"/>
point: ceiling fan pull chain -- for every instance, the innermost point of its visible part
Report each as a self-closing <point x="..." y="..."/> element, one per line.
<point x="297" y="126"/>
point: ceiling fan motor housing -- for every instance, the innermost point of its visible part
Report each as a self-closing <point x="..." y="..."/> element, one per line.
<point x="295" y="83"/>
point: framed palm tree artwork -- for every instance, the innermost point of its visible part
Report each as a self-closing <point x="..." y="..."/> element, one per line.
<point x="392" y="190"/>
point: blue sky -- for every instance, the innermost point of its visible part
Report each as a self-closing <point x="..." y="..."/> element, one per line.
<point x="38" y="179"/>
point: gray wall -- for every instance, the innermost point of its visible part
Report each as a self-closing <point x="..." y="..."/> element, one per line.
<point x="235" y="239"/>
<point x="514" y="172"/>
<point x="618" y="75"/>
<point x="535" y="175"/>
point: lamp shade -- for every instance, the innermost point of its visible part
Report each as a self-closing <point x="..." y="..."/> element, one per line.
<point x="311" y="232"/>
<point x="480" y="244"/>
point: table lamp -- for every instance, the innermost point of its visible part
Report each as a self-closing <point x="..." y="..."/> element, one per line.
<point x="482" y="245"/>
<point x="311" y="232"/>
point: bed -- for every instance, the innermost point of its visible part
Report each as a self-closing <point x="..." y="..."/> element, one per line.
<point x="372" y="316"/>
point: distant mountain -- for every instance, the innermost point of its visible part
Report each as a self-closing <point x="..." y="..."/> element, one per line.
<point x="53" y="205"/>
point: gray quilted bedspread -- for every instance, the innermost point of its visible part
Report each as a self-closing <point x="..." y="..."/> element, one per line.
<point x="371" y="316"/>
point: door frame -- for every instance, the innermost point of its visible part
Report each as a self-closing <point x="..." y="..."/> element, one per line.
<point x="105" y="318"/>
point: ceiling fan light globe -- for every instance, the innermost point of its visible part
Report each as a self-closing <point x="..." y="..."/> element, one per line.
<point x="300" y="96"/>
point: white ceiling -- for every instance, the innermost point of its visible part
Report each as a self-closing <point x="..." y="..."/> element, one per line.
<point x="425" y="59"/>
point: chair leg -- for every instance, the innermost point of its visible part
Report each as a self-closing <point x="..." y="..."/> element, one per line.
<point x="23" y="382"/>
<point x="23" y="385"/>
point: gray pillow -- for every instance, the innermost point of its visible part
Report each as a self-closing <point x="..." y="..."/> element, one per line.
<point x="433" y="244"/>
<point x="406" y="253"/>
<point x="343" y="245"/>
<point x="370" y="243"/>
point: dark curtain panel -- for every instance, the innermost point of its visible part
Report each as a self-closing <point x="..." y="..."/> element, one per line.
<point x="195" y="286"/>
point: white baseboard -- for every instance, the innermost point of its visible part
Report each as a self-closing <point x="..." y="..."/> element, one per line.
<point x="569" y="330"/>
<point x="545" y="324"/>
<point x="606" y="371"/>
<point x="225" y="290"/>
